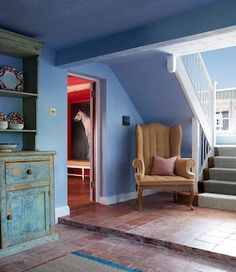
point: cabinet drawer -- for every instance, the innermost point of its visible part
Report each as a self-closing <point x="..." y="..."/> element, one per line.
<point x="21" y="172"/>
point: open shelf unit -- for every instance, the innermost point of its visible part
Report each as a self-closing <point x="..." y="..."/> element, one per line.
<point x="10" y="93"/>
<point x="18" y="131"/>
<point x="28" y="50"/>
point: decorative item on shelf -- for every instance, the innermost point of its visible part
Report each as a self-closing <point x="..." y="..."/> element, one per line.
<point x="11" y="78"/>
<point x="7" y="147"/>
<point x="15" y="121"/>
<point x="3" y="121"/>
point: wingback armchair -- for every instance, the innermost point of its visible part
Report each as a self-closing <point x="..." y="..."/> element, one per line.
<point x="164" y="141"/>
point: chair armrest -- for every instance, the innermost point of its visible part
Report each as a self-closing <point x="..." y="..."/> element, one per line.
<point x="183" y="168"/>
<point x="139" y="165"/>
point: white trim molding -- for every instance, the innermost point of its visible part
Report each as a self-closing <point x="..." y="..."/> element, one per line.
<point x="195" y="150"/>
<point x="97" y="134"/>
<point x="108" y="200"/>
<point x="171" y="63"/>
<point x="190" y="94"/>
<point x="61" y="211"/>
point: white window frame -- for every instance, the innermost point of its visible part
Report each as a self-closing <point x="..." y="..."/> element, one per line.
<point x="219" y="116"/>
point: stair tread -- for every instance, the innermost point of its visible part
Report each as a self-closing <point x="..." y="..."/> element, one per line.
<point x="222" y="169"/>
<point x="225" y="162"/>
<point x="227" y="150"/>
<point x="220" y="181"/>
<point x="225" y="157"/>
<point x="222" y="174"/>
<point x="217" y="201"/>
<point x="219" y="196"/>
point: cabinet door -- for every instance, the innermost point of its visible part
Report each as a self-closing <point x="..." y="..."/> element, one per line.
<point x="27" y="215"/>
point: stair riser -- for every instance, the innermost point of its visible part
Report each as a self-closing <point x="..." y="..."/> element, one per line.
<point x="220" y="188"/>
<point x="222" y="175"/>
<point x="225" y="163"/>
<point x="201" y="187"/>
<point x="227" y="151"/>
<point x="217" y="203"/>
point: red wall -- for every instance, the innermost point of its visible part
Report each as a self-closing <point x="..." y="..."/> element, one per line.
<point x="71" y="80"/>
<point x="75" y="98"/>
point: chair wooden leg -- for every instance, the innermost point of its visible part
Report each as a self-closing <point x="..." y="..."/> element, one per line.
<point x="175" y="196"/>
<point x="140" y="198"/>
<point x="191" y="198"/>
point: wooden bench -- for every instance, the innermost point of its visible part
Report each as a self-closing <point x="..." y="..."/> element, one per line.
<point x="74" y="164"/>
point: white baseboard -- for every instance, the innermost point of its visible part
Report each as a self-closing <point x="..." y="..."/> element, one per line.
<point x="61" y="211"/>
<point x="108" y="200"/>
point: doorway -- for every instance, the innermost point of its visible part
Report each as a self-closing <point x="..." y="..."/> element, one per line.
<point x="80" y="164"/>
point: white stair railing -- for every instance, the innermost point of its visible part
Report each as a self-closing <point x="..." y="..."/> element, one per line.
<point x="199" y="90"/>
<point x="201" y="82"/>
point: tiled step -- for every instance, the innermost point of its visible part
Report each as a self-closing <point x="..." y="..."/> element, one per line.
<point x="225" y="162"/>
<point x="217" y="201"/>
<point x="147" y="240"/>
<point x="220" y="187"/>
<point x="226" y="151"/>
<point x="227" y="174"/>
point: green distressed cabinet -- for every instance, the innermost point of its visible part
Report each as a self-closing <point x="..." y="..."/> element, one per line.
<point x="27" y="209"/>
<point x="27" y="200"/>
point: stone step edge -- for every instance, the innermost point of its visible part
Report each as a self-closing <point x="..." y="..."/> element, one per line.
<point x="219" y="196"/>
<point x="188" y="250"/>
<point x="224" y="157"/>
<point x="223" y="169"/>
<point x="219" y="181"/>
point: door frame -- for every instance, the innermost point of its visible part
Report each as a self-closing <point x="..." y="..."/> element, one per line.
<point x="97" y="133"/>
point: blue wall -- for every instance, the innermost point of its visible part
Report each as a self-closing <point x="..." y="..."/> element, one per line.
<point x="153" y="93"/>
<point x="52" y="131"/>
<point x="118" y="141"/>
<point x="156" y="93"/>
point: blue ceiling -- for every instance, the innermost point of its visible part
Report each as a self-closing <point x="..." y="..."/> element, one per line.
<point x="62" y="23"/>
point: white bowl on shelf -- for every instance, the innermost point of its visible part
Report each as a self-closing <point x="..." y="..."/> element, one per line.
<point x="16" y="126"/>
<point x="7" y="147"/>
<point x="3" y="125"/>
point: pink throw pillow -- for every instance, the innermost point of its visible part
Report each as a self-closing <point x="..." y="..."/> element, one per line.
<point x="163" y="167"/>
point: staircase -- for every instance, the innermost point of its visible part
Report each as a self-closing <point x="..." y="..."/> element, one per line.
<point x="218" y="189"/>
<point x="199" y="91"/>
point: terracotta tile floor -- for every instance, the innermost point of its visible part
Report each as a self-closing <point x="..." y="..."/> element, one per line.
<point x="203" y="232"/>
<point x="123" y="251"/>
<point x="78" y="193"/>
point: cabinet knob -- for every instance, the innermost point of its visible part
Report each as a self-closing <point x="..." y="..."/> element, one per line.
<point x="9" y="217"/>
<point x="29" y="172"/>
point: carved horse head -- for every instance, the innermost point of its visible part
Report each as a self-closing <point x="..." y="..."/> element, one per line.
<point x="78" y="116"/>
